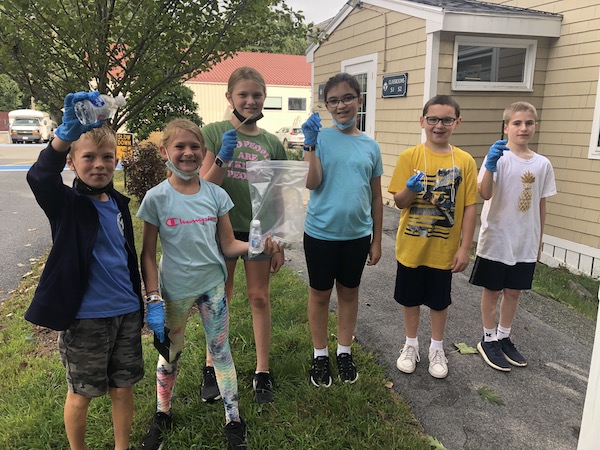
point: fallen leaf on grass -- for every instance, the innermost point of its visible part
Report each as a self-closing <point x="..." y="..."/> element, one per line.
<point x="389" y="384"/>
<point x="465" y="349"/>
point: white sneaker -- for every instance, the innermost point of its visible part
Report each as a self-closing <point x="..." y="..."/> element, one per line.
<point x="409" y="357"/>
<point x="438" y="364"/>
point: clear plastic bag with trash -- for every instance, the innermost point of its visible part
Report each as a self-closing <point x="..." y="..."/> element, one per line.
<point x="276" y="193"/>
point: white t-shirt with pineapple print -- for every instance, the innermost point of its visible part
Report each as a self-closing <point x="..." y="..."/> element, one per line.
<point x="510" y="219"/>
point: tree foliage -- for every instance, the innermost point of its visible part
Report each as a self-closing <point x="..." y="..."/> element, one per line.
<point x="11" y="96"/>
<point x="287" y="36"/>
<point x="177" y="101"/>
<point x="138" y="48"/>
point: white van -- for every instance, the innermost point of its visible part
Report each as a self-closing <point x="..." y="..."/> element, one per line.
<point x="29" y="125"/>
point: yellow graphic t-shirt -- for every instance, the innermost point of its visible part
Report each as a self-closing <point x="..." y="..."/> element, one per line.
<point x="430" y="228"/>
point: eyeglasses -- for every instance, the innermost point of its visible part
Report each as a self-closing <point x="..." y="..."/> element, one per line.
<point x="445" y="120"/>
<point x="346" y="100"/>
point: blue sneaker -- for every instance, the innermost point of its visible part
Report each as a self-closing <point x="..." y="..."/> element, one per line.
<point x="511" y="353"/>
<point x="492" y="354"/>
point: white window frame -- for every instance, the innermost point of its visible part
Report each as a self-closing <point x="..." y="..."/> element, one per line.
<point x="594" y="149"/>
<point x="530" y="47"/>
<point x="365" y="64"/>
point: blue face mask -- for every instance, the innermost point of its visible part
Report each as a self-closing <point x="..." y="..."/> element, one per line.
<point x="180" y="173"/>
<point x="344" y="126"/>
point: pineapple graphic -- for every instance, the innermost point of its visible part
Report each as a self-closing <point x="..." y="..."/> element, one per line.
<point x="525" y="198"/>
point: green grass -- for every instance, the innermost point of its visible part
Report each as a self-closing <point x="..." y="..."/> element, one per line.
<point x="555" y="283"/>
<point x="367" y="414"/>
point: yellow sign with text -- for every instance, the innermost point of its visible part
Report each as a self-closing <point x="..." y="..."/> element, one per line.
<point x="124" y="144"/>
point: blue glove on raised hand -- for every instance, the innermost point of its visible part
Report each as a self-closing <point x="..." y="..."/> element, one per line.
<point x="414" y="183"/>
<point x="155" y="318"/>
<point x="495" y="153"/>
<point x="71" y="128"/>
<point x="311" y="128"/>
<point x="228" y="145"/>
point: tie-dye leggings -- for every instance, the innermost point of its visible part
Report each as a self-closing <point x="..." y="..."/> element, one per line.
<point x="215" y="318"/>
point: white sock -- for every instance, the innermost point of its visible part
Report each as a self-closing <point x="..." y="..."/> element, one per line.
<point x="489" y="335"/>
<point x="436" y="345"/>
<point x="413" y="341"/>
<point x="344" y="349"/>
<point x="320" y="352"/>
<point x="503" y="332"/>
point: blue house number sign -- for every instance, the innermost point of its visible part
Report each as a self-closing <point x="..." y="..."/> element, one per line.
<point x="394" y="85"/>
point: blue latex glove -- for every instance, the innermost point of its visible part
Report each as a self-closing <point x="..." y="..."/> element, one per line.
<point x="311" y="128"/>
<point x="155" y="318"/>
<point x="228" y="145"/>
<point x="495" y="153"/>
<point x="414" y="183"/>
<point x="71" y="128"/>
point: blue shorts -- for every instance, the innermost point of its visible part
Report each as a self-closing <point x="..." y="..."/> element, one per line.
<point x="328" y="261"/>
<point x="102" y="353"/>
<point x="495" y="276"/>
<point x="423" y="286"/>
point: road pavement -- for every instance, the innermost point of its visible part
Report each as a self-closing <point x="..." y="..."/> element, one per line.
<point x="543" y="402"/>
<point x="24" y="229"/>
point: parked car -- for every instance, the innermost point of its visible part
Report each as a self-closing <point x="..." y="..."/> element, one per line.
<point x="290" y="137"/>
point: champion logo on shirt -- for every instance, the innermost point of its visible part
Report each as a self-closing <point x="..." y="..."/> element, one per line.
<point x="175" y="221"/>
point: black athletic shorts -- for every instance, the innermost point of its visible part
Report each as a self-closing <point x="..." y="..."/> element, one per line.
<point x="495" y="276"/>
<point x="423" y="286"/>
<point x="328" y="261"/>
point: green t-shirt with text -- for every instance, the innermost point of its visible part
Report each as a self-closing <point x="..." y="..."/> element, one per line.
<point x="264" y="146"/>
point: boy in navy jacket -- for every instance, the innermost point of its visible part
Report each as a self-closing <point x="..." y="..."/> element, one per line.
<point x="90" y="288"/>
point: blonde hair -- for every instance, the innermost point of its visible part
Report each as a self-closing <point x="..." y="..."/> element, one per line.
<point x="175" y="125"/>
<point x="518" y="107"/>
<point x="245" y="73"/>
<point x="103" y="136"/>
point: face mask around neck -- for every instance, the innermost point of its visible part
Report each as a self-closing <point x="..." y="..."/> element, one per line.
<point x="83" y="188"/>
<point x="241" y="118"/>
<point x="344" y="126"/>
<point x="180" y="173"/>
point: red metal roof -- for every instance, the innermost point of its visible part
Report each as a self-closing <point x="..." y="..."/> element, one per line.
<point x="277" y="69"/>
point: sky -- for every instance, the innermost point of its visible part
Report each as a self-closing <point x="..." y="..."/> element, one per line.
<point x="316" y="10"/>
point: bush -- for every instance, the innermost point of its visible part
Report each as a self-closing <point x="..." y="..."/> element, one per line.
<point x="144" y="168"/>
<point x="294" y="154"/>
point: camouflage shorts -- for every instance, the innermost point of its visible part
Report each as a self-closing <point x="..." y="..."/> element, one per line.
<point x="102" y="353"/>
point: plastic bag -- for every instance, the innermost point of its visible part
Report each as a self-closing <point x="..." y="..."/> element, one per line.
<point x="276" y="189"/>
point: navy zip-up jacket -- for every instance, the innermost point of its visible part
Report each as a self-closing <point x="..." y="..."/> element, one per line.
<point x="74" y="223"/>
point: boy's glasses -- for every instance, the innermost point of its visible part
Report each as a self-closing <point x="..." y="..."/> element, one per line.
<point x="435" y="120"/>
<point x="346" y="100"/>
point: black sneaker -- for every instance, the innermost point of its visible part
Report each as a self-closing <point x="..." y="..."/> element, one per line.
<point x="492" y="354"/>
<point x="346" y="368"/>
<point x="263" y="385"/>
<point x="320" y="372"/>
<point x="210" y="389"/>
<point x="236" y="435"/>
<point x="511" y="353"/>
<point x="154" y="439"/>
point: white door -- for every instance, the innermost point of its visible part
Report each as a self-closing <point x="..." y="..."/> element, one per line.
<point x="364" y="68"/>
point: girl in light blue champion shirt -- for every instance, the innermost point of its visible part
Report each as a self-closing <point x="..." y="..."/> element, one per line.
<point x="343" y="221"/>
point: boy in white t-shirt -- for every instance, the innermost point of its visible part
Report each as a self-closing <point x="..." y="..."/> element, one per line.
<point x="514" y="181"/>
